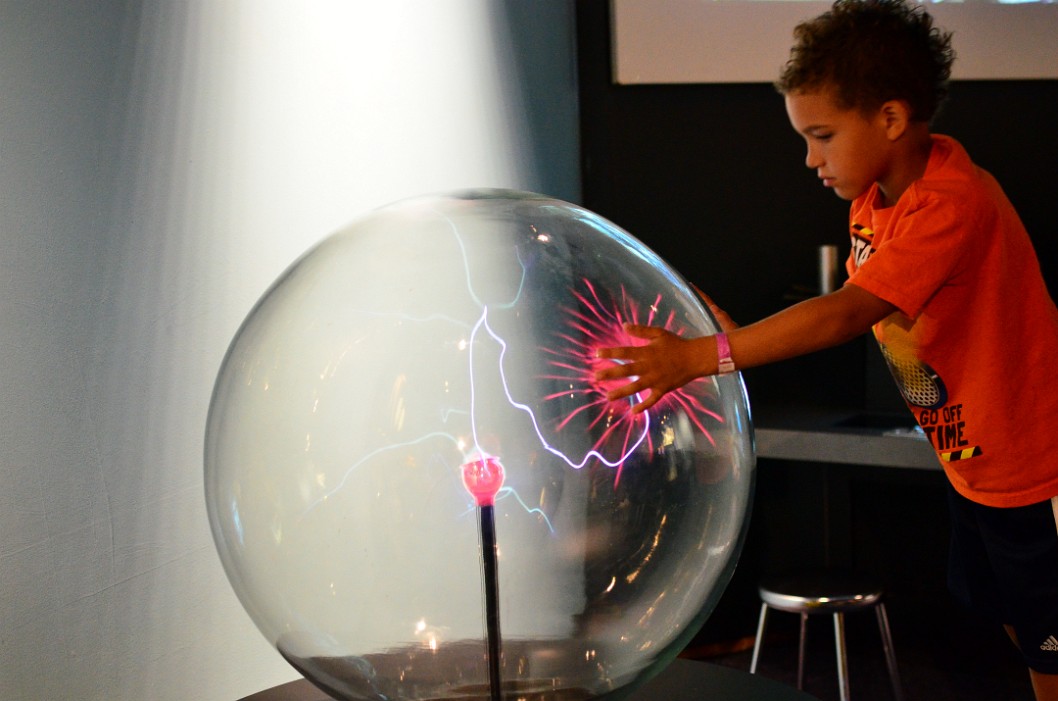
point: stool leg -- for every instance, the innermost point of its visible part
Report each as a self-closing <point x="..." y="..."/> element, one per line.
<point x="801" y="653"/>
<point x="760" y="638"/>
<point x="890" y="653"/>
<point x="843" y="666"/>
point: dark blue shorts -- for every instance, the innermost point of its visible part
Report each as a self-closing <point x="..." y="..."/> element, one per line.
<point x="1004" y="564"/>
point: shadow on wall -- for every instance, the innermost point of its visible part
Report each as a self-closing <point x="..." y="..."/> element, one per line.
<point x="548" y="98"/>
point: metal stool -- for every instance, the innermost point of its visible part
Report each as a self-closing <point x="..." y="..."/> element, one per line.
<point x="833" y="593"/>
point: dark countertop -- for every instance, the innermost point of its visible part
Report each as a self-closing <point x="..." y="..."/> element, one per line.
<point x="683" y="680"/>
<point x="852" y="437"/>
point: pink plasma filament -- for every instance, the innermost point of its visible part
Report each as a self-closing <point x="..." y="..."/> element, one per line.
<point x="597" y="324"/>
<point x="483" y="478"/>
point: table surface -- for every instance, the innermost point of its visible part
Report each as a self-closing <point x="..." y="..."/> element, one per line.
<point x="814" y="434"/>
<point x="683" y="680"/>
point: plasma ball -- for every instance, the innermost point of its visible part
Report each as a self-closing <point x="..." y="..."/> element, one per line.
<point x="452" y="338"/>
<point x="483" y="478"/>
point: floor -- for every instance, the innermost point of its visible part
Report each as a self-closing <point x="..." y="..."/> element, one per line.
<point x="942" y="654"/>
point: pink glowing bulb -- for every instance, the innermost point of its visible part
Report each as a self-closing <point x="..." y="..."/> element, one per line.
<point x="483" y="478"/>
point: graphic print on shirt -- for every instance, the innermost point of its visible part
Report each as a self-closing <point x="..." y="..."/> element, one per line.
<point x="921" y="387"/>
<point x="924" y="391"/>
<point x="862" y="240"/>
<point x="918" y="383"/>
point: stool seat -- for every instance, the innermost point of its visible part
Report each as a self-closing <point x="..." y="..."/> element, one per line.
<point x="820" y="592"/>
<point x="834" y="593"/>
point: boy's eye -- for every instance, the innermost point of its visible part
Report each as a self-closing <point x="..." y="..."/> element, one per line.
<point x="823" y="136"/>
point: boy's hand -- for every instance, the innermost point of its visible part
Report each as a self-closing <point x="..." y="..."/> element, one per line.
<point x="666" y="363"/>
<point x="726" y="323"/>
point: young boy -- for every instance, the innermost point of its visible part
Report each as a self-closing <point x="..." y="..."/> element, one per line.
<point x="943" y="271"/>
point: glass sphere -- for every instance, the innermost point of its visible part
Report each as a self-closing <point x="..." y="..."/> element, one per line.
<point x="419" y="491"/>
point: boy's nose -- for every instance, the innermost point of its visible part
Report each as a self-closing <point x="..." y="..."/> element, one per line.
<point x="812" y="160"/>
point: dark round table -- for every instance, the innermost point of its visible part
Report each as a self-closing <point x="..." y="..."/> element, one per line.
<point x="683" y="680"/>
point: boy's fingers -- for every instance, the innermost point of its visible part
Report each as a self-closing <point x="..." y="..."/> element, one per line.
<point x="622" y="391"/>
<point x="631" y="389"/>
<point x="642" y="331"/>
<point x="612" y="353"/>
<point x="648" y="402"/>
<point x="613" y="372"/>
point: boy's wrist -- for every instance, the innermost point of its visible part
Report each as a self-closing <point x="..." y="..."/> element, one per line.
<point x="725" y="365"/>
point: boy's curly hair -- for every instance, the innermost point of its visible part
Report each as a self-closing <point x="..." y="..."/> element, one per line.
<point x="872" y="51"/>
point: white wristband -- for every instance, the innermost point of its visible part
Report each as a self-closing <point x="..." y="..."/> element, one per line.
<point x="723" y="354"/>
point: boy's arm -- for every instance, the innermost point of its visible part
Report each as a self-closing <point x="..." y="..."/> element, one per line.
<point x="668" y="362"/>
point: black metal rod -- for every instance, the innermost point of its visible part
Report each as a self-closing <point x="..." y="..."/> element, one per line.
<point x="492" y="598"/>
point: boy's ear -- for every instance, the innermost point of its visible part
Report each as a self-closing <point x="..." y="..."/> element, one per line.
<point x="896" y="115"/>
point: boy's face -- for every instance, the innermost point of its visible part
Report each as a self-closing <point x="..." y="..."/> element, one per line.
<point x="847" y="148"/>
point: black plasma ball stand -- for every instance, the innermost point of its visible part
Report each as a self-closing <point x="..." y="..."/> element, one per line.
<point x="492" y="598"/>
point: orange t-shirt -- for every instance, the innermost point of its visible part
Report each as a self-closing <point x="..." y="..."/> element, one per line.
<point x="972" y="344"/>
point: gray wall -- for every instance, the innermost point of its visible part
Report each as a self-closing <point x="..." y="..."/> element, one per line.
<point x="161" y="163"/>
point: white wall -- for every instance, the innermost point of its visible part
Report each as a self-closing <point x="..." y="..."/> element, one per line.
<point x="690" y="41"/>
<point x="161" y="162"/>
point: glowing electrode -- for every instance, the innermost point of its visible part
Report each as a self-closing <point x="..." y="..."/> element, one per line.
<point x="483" y="478"/>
